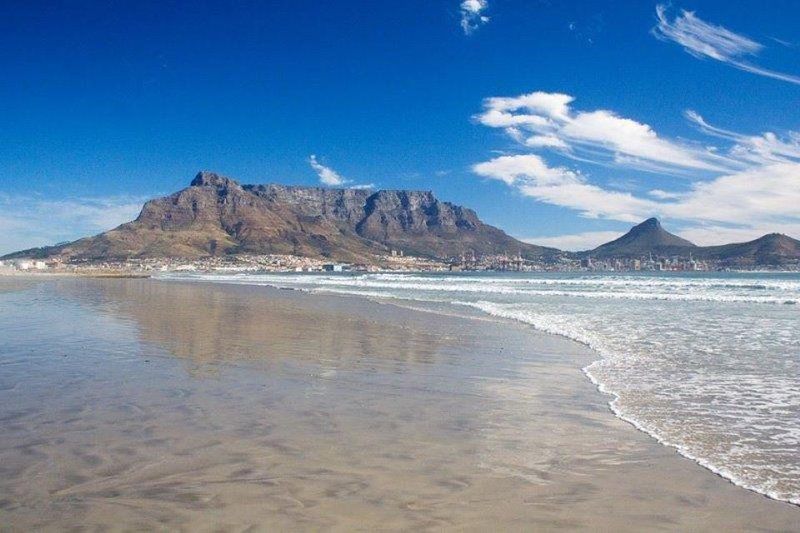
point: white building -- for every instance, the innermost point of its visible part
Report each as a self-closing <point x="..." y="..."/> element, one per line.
<point x="24" y="264"/>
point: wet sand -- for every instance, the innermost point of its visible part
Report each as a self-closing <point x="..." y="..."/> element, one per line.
<point x="141" y="404"/>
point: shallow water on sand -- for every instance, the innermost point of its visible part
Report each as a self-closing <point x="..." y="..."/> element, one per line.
<point x="708" y="363"/>
<point x="144" y="404"/>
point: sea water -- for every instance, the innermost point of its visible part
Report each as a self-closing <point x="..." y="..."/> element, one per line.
<point x="708" y="363"/>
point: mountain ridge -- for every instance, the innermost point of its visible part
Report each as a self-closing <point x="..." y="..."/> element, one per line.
<point x="772" y="249"/>
<point x="216" y="215"/>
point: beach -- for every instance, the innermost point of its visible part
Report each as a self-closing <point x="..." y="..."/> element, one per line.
<point x="158" y="404"/>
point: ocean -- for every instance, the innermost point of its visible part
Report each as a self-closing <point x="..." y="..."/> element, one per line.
<point x="707" y="363"/>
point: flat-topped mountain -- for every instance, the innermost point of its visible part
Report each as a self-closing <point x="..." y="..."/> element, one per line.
<point x="643" y="239"/>
<point x="216" y="215"/>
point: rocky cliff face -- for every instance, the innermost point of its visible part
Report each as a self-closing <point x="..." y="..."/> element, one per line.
<point x="216" y="215"/>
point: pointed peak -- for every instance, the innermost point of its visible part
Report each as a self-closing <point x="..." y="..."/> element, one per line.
<point x="651" y="222"/>
<point x="646" y="237"/>
<point x="205" y="178"/>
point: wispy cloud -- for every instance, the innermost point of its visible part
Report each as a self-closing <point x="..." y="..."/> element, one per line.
<point x="532" y="176"/>
<point x="704" y="40"/>
<point x="327" y="176"/>
<point x="331" y="178"/>
<point x="548" y="120"/>
<point x="362" y="186"/>
<point x="765" y="148"/>
<point x="29" y="221"/>
<point x="750" y="184"/>
<point x="472" y="15"/>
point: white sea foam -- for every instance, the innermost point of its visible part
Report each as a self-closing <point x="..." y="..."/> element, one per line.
<point x="784" y="293"/>
<point x="705" y="363"/>
<point x="572" y="331"/>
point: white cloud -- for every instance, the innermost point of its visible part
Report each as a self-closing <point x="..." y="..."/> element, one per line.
<point x="766" y="148"/>
<point x="545" y="141"/>
<point x="663" y="195"/>
<point x="28" y="222"/>
<point x="764" y="195"/>
<point x="746" y="188"/>
<point x="531" y="175"/>
<point x="547" y="120"/>
<point x="472" y="16"/>
<point x="704" y="40"/>
<point x="576" y="242"/>
<point x="327" y="176"/>
<point x="745" y="203"/>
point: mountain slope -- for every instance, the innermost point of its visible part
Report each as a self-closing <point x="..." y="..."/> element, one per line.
<point x="774" y="249"/>
<point x="216" y="215"/>
<point x="643" y="239"/>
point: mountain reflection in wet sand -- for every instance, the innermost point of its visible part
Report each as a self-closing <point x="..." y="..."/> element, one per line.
<point x="138" y="404"/>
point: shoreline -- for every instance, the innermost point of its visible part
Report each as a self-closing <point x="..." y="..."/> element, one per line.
<point x="363" y="414"/>
<point x="145" y="273"/>
<point x="601" y="388"/>
<point x="101" y="274"/>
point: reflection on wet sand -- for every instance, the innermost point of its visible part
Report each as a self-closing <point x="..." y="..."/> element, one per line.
<point x="16" y="283"/>
<point x="217" y="324"/>
<point x="321" y="413"/>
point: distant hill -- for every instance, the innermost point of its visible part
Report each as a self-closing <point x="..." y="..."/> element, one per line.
<point x="643" y="239"/>
<point x="216" y="215"/>
<point x="774" y="249"/>
<point x="649" y="238"/>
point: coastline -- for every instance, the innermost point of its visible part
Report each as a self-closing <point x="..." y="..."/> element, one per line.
<point x="88" y="273"/>
<point x="620" y="414"/>
<point x="608" y="397"/>
<point x="610" y="394"/>
<point x="490" y="422"/>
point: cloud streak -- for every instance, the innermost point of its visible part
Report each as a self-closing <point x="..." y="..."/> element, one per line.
<point x="327" y="176"/>
<point x="548" y="120"/>
<point x="704" y="40"/>
<point x="531" y="176"/>
<point x="331" y="178"/>
<point x="472" y="15"/>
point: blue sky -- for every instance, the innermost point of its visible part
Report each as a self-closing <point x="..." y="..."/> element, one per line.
<point x="561" y="122"/>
